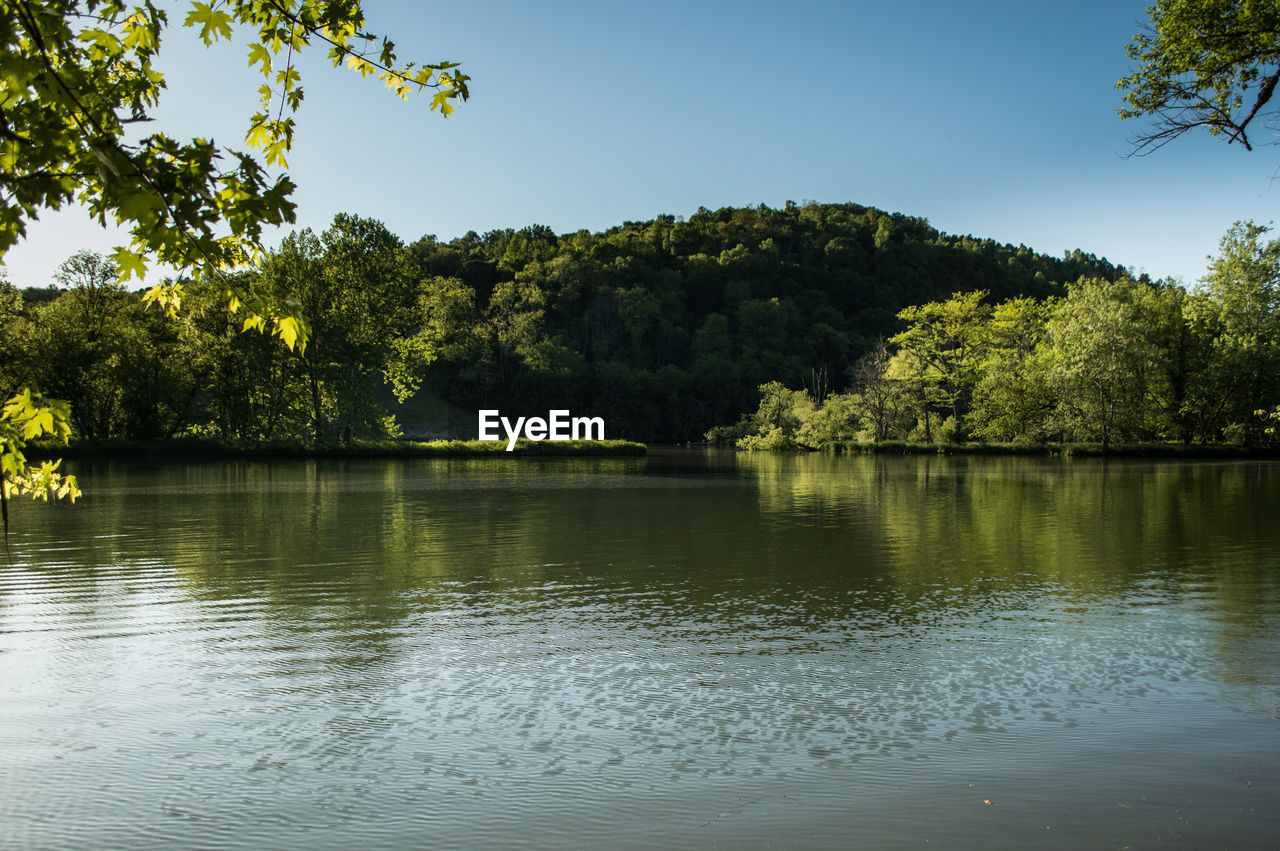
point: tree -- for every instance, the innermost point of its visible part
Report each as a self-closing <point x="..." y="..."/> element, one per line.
<point x="1204" y="63"/>
<point x="242" y="387"/>
<point x="947" y="342"/>
<point x="15" y="329"/>
<point x="834" y="418"/>
<point x="77" y="348"/>
<point x="1012" y="399"/>
<point x="879" y="398"/>
<point x="915" y="386"/>
<point x="78" y="75"/>
<point x="96" y="278"/>
<point x="365" y="293"/>
<point x="779" y="417"/>
<point x="1102" y="361"/>
<point x="1241" y="305"/>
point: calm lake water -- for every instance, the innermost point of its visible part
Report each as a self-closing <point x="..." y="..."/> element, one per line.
<point x="692" y="650"/>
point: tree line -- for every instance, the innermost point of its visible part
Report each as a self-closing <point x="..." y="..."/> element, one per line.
<point x="666" y="327"/>
<point x="1110" y="361"/>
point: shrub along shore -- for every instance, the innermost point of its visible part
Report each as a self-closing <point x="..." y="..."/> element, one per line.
<point x="1063" y="450"/>
<point x="195" y="449"/>
<point x="198" y="449"/>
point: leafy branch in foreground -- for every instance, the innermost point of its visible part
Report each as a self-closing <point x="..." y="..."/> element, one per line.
<point x="76" y="76"/>
<point x="28" y="416"/>
<point x="1272" y="419"/>
<point x="1204" y="63"/>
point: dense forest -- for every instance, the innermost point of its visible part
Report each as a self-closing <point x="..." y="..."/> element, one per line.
<point x="666" y="328"/>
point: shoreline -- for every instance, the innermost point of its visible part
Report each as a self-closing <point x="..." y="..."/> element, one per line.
<point x="1060" y="450"/>
<point x="194" y="450"/>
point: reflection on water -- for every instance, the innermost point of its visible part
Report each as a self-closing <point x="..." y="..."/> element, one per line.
<point x="689" y="649"/>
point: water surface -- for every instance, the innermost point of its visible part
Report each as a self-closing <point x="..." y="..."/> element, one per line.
<point x="692" y="649"/>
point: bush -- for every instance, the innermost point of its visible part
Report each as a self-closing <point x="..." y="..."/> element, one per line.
<point x="775" y="441"/>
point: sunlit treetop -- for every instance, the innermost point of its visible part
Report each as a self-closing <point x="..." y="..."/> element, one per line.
<point x="1209" y="64"/>
<point x="77" y="77"/>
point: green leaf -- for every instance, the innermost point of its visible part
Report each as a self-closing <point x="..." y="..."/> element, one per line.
<point x="214" y="23"/>
<point x="139" y="33"/>
<point x="258" y="54"/>
<point x="130" y="264"/>
<point x="288" y="330"/>
<point x="258" y="136"/>
<point x="38" y="423"/>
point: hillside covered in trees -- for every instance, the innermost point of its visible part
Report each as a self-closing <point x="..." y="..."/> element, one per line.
<point x="666" y="328"/>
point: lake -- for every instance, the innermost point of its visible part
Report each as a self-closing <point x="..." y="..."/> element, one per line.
<point x="693" y="649"/>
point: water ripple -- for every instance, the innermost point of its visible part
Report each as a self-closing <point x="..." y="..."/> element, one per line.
<point x="563" y="657"/>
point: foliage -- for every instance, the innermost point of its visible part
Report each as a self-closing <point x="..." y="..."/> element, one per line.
<point x="666" y="328"/>
<point x="945" y="344"/>
<point x="1011" y="400"/>
<point x="918" y="397"/>
<point x="878" y="401"/>
<point x="836" y="418"/>
<point x="29" y="416"/>
<point x="1241" y="297"/>
<point x="1114" y="361"/>
<point x="1102" y="362"/>
<point x="1204" y="63"/>
<point x="793" y="419"/>
<point x="670" y="325"/>
<point x="1272" y="420"/>
<point x="78" y="75"/>
<point x="529" y="321"/>
<point x="773" y="440"/>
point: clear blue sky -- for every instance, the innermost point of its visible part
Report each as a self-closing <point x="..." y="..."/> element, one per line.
<point x="996" y="119"/>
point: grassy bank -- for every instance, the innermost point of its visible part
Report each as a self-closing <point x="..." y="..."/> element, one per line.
<point x="181" y="449"/>
<point x="1064" y="450"/>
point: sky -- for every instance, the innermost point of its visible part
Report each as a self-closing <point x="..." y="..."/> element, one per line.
<point x="996" y="119"/>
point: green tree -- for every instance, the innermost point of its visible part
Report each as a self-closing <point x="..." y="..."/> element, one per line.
<point x="78" y="74"/>
<point x="99" y="348"/>
<point x="836" y="418"/>
<point x="1209" y="64"/>
<point x="1012" y="399"/>
<point x="1184" y="351"/>
<point x="778" y="419"/>
<point x="917" y="395"/>
<point x="1103" y="362"/>
<point x="714" y="371"/>
<point x="13" y="327"/>
<point x="881" y="402"/>
<point x="246" y="387"/>
<point x="356" y="286"/>
<point x="446" y="320"/>
<point x="26" y="415"/>
<point x="945" y="343"/>
<point x="77" y="349"/>
<point x="1240" y="310"/>
<point x="515" y="325"/>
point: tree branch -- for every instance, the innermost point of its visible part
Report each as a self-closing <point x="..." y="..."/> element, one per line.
<point x="1264" y="95"/>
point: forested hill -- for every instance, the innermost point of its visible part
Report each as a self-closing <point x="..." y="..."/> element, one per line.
<point x="667" y="327"/>
<point x="664" y="328"/>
